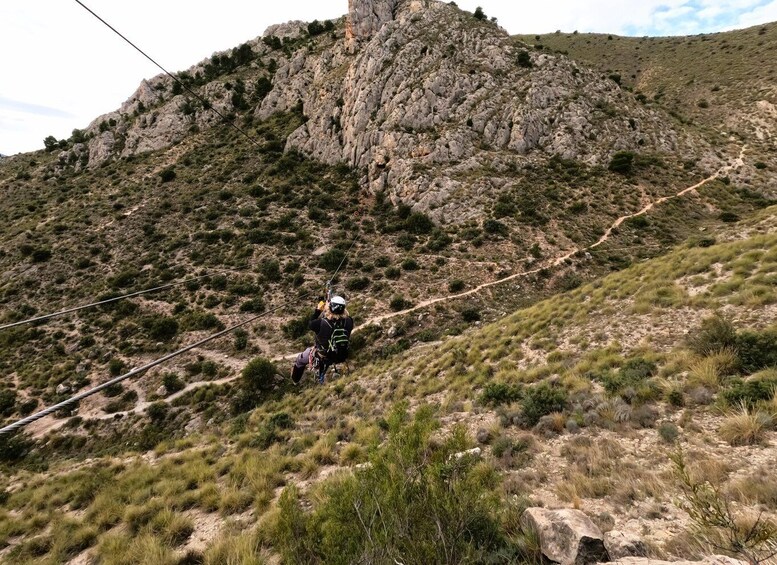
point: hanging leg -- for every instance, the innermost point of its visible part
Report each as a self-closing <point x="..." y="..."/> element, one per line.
<point x="300" y="364"/>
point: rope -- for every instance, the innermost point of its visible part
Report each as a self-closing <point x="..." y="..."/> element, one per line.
<point x="342" y="262"/>
<point x="139" y="370"/>
<point x="202" y="99"/>
<point x="100" y="303"/>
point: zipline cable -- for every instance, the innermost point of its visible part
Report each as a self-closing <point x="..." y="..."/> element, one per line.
<point x="139" y="370"/>
<point x="183" y="85"/>
<point x="100" y="303"/>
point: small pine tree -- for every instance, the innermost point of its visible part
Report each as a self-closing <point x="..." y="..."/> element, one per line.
<point x="479" y="14"/>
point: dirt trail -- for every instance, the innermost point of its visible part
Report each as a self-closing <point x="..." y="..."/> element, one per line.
<point x="47" y="424"/>
<point x="739" y="162"/>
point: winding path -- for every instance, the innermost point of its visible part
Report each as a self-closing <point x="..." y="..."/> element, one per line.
<point x="46" y="424"/>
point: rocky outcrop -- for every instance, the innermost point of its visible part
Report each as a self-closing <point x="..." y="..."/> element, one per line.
<point x="433" y="105"/>
<point x="620" y="545"/>
<point x="567" y="536"/>
<point x="366" y="17"/>
<point x="712" y="560"/>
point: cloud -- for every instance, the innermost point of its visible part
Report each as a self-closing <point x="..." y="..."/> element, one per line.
<point x="24" y="107"/>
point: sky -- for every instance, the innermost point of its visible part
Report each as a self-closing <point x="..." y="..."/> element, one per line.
<point x="60" y="67"/>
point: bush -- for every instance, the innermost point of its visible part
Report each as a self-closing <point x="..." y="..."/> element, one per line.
<point x="541" y="400"/>
<point x="622" y="163"/>
<point x="715" y="334"/>
<point x="496" y="394"/>
<point x="259" y="375"/>
<point x="728" y="217"/>
<point x="330" y="260"/>
<point x="456" y="285"/>
<point x="470" y="315"/>
<point x="756" y="350"/>
<point x="416" y="500"/>
<point x="7" y="401"/>
<point x="419" y="223"/>
<point x="751" y="391"/>
<point x="271" y="270"/>
<point x="494" y="227"/>
<point x="393" y="273"/>
<point x="524" y="59"/>
<point x="172" y="383"/>
<point x="668" y="432"/>
<point x="410" y="265"/>
<point x="358" y="283"/>
<point x="167" y="175"/>
<point x="41" y="255"/>
<point x="398" y="303"/>
<point x="161" y="328"/>
<point x="480" y="14"/>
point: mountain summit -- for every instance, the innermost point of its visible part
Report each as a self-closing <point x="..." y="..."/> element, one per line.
<point x="439" y="108"/>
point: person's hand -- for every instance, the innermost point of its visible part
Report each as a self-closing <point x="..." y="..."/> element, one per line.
<point x="321" y="305"/>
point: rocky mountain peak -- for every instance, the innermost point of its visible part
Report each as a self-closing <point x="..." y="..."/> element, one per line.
<point x="367" y="17"/>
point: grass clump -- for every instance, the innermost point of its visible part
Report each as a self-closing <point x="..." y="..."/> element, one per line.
<point x="746" y="426"/>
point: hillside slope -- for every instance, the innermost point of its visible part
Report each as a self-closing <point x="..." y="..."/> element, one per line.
<point x="722" y="83"/>
<point x="601" y="385"/>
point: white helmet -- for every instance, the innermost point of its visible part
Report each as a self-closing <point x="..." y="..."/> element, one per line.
<point x="337" y="304"/>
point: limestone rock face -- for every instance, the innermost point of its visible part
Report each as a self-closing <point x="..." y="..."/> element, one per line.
<point x="567" y="536"/>
<point x="711" y="560"/>
<point x="621" y="545"/>
<point x="429" y="103"/>
<point x="433" y="98"/>
<point x="366" y="17"/>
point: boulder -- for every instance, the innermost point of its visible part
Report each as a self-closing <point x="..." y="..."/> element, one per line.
<point x="620" y="544"/>
<point x="711" y="560"/>
<point x="567" y="536"/>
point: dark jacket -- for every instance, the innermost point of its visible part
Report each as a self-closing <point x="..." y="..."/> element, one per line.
<point x="323" y="329"/>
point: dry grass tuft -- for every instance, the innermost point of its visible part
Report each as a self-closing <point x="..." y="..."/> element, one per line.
<point x="746" y="426"/>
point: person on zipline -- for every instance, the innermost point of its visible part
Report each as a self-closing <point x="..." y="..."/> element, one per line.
<point x="333" y="326"/>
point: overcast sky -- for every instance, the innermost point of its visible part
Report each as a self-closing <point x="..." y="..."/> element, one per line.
<point x="60" y="68"/>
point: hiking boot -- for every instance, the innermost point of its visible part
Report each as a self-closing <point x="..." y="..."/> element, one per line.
<point x="296" y="374"/>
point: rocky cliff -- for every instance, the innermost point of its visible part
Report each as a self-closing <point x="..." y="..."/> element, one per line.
<point x="434" y="105"/>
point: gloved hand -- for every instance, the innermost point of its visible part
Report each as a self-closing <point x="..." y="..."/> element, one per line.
<point x="321" y="305"/>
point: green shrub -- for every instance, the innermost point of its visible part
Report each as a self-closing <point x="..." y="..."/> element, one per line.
<point x="172" y="383"/>
<point x="259" y="374"/>
<point x="416" y="500"/>
<point x="398" y="303"/>
<point x="7" y="401"/>
<point x="524" y="59"/>
<point x="749" y="392"/>
<point x="410" y="265"/>
<point x="252" y="305"/>
<point x="470" y="315"/>
<point x="393" y="273"/>
<point x="480" y="14"/>
<point x="756" y="350"/>
<point x="271" y="270"/>
<point x="715" y="334"/>
<point x="456" y="285"/>
<point x="496" y="394"/>
<point x="540" y="400"/>
<point x="418" y="223"/>
<point x="296" y="328"/>
<point x="330" y="260"/>
<point x="668" y="432"/>
<point x="167" y="175"/>
<point x="622" y="163"/>
<point x="358" y="283"/>
<point x="161" y="328"/>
